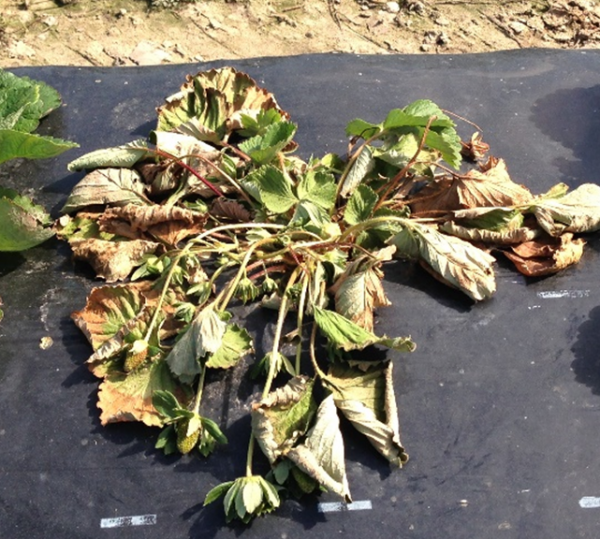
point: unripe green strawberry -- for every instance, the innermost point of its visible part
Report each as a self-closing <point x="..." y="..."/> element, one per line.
<point x="187" y="438"/>
<point x="136" y="355"/>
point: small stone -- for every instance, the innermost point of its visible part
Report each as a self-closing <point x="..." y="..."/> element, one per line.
<point x="309" y="34"/>
<point x="392" y="7"/>
<point x="425" y="47"/>
<point x="49" y="20"/>
<point x="149" y="53"/>
<point x="443" y="39"/>
<point x="417" y="7"/>
<point x="517" y="27"/>
<point x="18" y="49"/>
<point x="430" y="37"/>
<point x="442" y="21"/>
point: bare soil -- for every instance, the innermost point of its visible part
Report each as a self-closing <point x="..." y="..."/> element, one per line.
<point x="133" y="32"/>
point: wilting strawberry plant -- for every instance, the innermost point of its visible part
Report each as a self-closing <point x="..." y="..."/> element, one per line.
<point x="216" y="210"/>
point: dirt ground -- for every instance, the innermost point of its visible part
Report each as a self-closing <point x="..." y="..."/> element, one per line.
<point x="137" y="32"/>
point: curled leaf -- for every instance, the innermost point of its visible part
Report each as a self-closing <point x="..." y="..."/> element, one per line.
<point x="279" y="419"/>
<point x="455" y="261"/>
<point x="546" y="256"/>
<point x="115" y="186"/>
<point x="321" y="456"/>
<point x="348" y="336"/>
<point x="128" y="397"/>
<point x="368" y="401"/>
<point x="124" y="156"/>
<point x="212" y="99"/>
<point x="113" y="261"/>
<point x="493" y="187"/>
<point x="204" y="336"/>
<point x="577" y="211"/>
<point x="505" y="237"/>
<point x="169" y="224"/>
<point x="22" y="224"/>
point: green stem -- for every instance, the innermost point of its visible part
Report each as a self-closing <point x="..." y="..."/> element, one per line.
<point x="163" y="293"/>
<point x="199" y="391"/>
<point x="186" y="250"/>
<point x="313" y="356"/>
<point x="242" y="271"/>
<point x="300" y="319"/>
<point x="283" y="308"/>
<point x="249" y="456"/>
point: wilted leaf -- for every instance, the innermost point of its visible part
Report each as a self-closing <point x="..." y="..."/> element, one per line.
<point x="360" y="168"/>
<point x="169" y="224"/>
<point x="456" y="262"/>
<point x="348" y="336"/>
<point x="235" y="345"/>
<point x="128" y="397"/>
<point x="494" y="219"/>
<point x="475" y="189"/>
<point x="125" y="156"/>
<point x="475" y="149"/>
<point x="577" y="211"/>
<point x="205" y="335"/>
<point x="15" y="144"/>
<point x="115" y="186"/>
<point x="321" y="456"/>
<point x="368" y="401"/>
<point x="107" y="310"/>
<point x="213" y="98"/>
<point x="546" y="256"/>
<point x="503" y="237"/>
<point x="22" y="224"/>
<point x="279" y="419"/>
<point x="359" y="290"/>
<point x="230" y="209"/>
<point x="113" y="261"/>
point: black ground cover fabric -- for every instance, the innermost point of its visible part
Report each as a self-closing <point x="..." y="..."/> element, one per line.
<point x="499" y="405"/>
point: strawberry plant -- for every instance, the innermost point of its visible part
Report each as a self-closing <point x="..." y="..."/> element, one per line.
<point x="216" y="210"/>
<point x="23" y="103"/>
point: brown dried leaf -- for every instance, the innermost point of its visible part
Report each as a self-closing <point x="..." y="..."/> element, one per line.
<point x="491" y="187"/>
<point x="169" y="224"/>
<point x="546" y="256"/>
<point x="112" y="312"/>
<point x="113" y="261"/>
<point x="475" y="149"/>
<point x="128" y="396"/>
<point x="230" y="209"/>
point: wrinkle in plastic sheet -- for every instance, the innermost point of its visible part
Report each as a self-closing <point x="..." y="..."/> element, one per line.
<point x="499" y="405"/>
